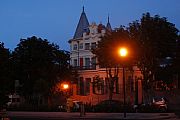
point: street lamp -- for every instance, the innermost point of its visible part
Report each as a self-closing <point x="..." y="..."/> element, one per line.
<point x="65" y="90"/>
<point x="65" y="86"/>
<point x="123" y="52"/>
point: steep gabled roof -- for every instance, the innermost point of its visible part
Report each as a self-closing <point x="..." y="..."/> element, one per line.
<point x="82" y="25"/>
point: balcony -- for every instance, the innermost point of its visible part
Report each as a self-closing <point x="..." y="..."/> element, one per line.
<point x="92" y="67"/>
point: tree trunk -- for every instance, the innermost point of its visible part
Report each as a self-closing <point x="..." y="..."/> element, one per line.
<point x="110" y="89"/>
<point x="110" y="95"/>
<point x="49" y="101"/>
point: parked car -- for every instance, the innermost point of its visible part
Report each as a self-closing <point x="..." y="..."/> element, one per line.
<point x="160" y="104"/>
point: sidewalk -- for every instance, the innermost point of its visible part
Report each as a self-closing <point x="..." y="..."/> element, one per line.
<point x="142" y="116"/>
<point x="92" y="116"/>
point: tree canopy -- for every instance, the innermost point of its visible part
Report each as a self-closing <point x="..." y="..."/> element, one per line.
<point x="107" y="49"/>
<point x="5" y="76"/>
<point x="150" y="41"/>
<point x="176" y="63"/>
<point x="156" y="38"/>
<point x="108" y="54"/>
<point x="39" y="65"/>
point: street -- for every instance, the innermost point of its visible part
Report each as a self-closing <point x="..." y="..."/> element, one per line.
<point x="89" y="116"/>
<point x="177" y="113"/>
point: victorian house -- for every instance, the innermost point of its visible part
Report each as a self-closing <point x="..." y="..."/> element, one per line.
<point x="84" y="61"/>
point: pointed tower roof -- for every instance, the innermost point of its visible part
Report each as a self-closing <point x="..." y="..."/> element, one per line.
<point x="108" y="26"/>
<point x="82" y="25"/>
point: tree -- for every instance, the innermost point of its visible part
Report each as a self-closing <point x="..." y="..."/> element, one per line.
<point x="107" y="54"/>
<point x="39" y="65"/>
<point x="176" y="64"/>
<point x="5" y="76"/>
<point x="156" y="39"/>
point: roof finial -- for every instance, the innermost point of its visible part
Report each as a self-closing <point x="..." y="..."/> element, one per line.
<point x="108" y="18"/>
<point x="83" y="9"/>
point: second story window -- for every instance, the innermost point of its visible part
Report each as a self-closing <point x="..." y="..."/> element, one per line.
<point x="81" y="46"/>
<point x="93" y="62"/>
<point x="75" y="47"/>
<point x="87" y="46"/>
<point x="93" y="45"/>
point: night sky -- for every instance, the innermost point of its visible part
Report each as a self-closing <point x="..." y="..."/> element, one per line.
<point x="56" y="20"/>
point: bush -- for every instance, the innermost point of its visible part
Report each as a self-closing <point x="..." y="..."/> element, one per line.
<point x="112" y="106"/>
<point x="29" y="107"/>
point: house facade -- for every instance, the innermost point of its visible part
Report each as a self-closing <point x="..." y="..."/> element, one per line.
<point x="86" y="38"/>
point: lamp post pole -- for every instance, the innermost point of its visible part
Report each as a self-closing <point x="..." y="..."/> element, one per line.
<point x="123" y="53"/>
<point x="124" y="92"/>
<point x="65" y="89"/>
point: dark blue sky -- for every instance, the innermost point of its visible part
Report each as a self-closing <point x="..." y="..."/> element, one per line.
<point x="56" y="20"/>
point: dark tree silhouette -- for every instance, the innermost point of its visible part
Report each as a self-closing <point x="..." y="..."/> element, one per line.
<point x="39" y="65"/>
<point x="5" y="76"/>
<point x="108" y="56"/>
<point x="156" y="38"/>
<point x="176" y="63"/>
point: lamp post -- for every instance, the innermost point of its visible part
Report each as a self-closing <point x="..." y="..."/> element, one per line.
<point x="65" y="88"/>
<point x="123" y="53"/>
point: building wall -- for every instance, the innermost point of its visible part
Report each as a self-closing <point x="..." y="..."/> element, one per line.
<point x="85" y="52"/>
<point x="84" y="89"/>
<point x="93" y="98"/>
